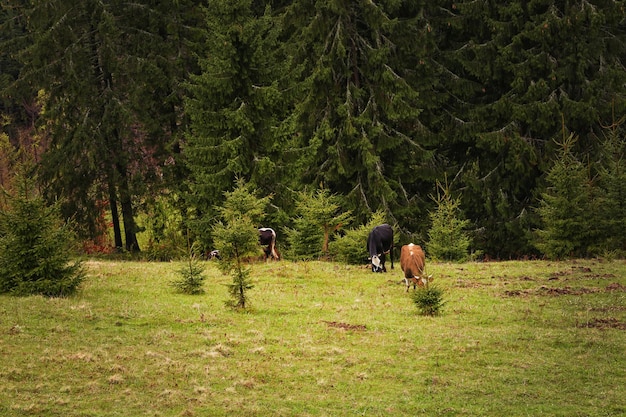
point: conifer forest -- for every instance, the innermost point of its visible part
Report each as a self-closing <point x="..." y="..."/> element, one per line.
<point x="136" y="117"/>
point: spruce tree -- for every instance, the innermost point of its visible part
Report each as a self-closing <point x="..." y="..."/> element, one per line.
<point x="233" y="105"/>
<point x="448" y="238"/>
<point x="36" y="247"/>
<point x="108" y="75"/>
<point x="612" y="182"/>
<point x="350" y="247"/>
<point x="356" y="120"/>
<point x="565" y="208"/>
<point x="513" y="75"/>
<point x="237" y="238"/>
<point x="320" y="216"/>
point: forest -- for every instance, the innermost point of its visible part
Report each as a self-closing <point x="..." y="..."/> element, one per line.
<point x="137" y="117"/>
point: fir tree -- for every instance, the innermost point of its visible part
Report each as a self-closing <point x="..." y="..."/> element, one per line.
<point x="612" y="182"/>
<point x="319" y="217"/>
<point x="509" y="71"/>
<point x="448" y="239"/>
<point x="36" y="247"/>
<point x="356" y="124"/>
<point x="233" y="106"/>
<point x="237" y="238"/>
<point x="565" y="208"/>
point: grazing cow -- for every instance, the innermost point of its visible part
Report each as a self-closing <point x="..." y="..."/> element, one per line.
<point x="379" y="243"/>
<point x="267" y="239"/>
<point x="214" y="254"/>
<point x="412" y="262"/>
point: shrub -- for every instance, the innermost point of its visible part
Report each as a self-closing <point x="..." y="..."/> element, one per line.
<point x="319" y="218"/>
<point x="35" y="248"/>
<point x="429" y="300"/>
<point x="163" y="225"/>
<point x="191" y="276"/>
<point x="448" y="239"/>
<point x="351" y="247"/>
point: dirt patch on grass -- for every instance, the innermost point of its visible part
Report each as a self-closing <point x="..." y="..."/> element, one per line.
<point x="565" y="290"/>
<point x="586" y="272"/>
<point x="344" y="326"/>
<point x="616" y="286"/>
<point x="553" y="291"/>
<point x="461" y="283"/>
<point x="604" y="324"/>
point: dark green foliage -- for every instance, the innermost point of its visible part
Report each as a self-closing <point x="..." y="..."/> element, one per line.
<point x="233" y="106"/>
<point x="429" y="300"/>
<point x="163" y="224"/>
<point x="107" y="75"/>
<point x="448" y="239"/>
<point x="319" y="218"/>
<point x="236" y="237"/>
<point x="355" y="128"/>
<point x="351" y="247"/>
<point x="566" y="211"/>
<point x="36" y="248"/>
<point x="372" y="101"/>
<point x="513" y="75"/>
<point x="612" y="183"/>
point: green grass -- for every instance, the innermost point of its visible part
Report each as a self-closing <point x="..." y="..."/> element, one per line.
<point x="322" y="339"/>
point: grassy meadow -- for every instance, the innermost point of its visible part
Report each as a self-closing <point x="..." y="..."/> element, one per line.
<point x="322" y="339"/>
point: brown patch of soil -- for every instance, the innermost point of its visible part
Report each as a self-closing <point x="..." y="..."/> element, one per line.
<point x="344" y="326"/>
<point x="567" y="290"/>
<point x="469" y="284"/>
<point x="616" y="286"/>
<point x="605" y="323"/>
<point x="573" y="270"/>
<point x="558" y="274"/>
<point x="600" y="276"/>
<point x="517" y="293"/>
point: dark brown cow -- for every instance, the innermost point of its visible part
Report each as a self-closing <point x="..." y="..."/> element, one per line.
<point x="267" y="239"/>
<point x="412" y="262"/>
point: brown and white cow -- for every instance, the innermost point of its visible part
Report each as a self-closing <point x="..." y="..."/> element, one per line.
<point x="412" y="262"/>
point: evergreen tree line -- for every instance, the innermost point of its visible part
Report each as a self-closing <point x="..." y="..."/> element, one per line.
<point x="154" y="109"/>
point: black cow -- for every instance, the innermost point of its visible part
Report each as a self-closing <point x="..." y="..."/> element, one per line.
<point x="379" y="243"/>
<point x="267" y="239"/>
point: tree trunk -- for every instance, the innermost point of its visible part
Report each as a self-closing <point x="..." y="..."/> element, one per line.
<point x="128" y="213"/>
<point x="115" y="218"/>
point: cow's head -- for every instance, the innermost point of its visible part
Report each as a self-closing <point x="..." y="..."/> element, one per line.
<point x="376" y="266"/>
<point x="424" y="280"/>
